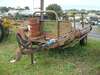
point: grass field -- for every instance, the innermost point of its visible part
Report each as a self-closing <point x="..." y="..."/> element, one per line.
<point x="70" y="61"/>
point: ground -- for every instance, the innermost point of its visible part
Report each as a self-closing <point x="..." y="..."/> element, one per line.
<point x="70" y="61"/>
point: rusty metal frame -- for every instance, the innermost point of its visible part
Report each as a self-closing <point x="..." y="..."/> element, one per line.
<point x="57" y="20"/>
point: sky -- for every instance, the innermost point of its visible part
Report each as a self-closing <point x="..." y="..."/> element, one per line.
<point x="65" y="4"/>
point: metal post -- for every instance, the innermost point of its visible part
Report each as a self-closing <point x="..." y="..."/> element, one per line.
<point x="58" y="28"/>
<point x="82" y="20"/>
<point x="74" y="22"/>
<point x="42" y="8"/>
<point x="31" y="58"/>
<point x="41" y="14"/>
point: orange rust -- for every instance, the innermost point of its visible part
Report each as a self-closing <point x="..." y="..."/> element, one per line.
<point x="35" y="27"/>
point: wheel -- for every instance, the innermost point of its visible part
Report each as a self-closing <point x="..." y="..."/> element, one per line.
<point x="83" y="41"/>
<point x="1" y="33"/>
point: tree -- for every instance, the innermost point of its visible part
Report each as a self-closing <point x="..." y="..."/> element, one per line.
<point x="17" y="16"/>
<point x="55" y="8"/>
<point x="4" y="9"/>
<point x="11" y="8"/>
<point x="27" y="8"/>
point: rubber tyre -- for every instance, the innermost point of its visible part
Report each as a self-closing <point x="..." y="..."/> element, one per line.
<point x="83" y="41"/>
<point x="1" y="33"/>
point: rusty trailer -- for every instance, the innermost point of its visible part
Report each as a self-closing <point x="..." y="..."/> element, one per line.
<point x="56" y="33"/>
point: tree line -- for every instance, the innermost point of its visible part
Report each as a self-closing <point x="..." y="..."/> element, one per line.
<point x="6" y="9"/>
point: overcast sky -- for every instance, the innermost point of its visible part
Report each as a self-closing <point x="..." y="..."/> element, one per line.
<point x="65" y="4"/>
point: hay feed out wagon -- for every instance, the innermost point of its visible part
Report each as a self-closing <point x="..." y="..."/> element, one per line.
<point x="56" y="33"/>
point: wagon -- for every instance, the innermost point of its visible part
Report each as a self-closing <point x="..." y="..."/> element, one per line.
<point x="49" y="33"/>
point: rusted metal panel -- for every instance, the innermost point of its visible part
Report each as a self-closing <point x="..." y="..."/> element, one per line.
<point x="34" y="27"/>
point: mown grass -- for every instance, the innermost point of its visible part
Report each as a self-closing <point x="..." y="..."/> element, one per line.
<point x="70" y="61"/>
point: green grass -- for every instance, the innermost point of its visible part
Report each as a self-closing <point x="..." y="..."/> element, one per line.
<point x="50" y="26"/>
<point x="70" y="61"/>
